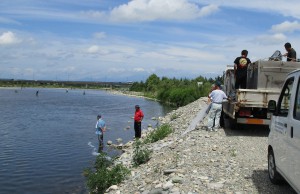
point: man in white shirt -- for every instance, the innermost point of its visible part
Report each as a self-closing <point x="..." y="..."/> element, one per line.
<point x="216" y="97"/>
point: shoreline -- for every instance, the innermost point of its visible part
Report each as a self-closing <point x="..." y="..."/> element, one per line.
<point x="131" y="94"/>
<point x="108" y="90"/>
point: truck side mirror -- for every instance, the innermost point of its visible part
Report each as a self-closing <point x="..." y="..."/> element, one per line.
<point x="272" y="106"/>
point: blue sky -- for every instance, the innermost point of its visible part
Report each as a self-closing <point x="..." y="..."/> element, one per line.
<point x="118" y="40"/>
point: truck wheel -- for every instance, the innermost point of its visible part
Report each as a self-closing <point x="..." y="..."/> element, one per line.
<point x="233" y="124"/>
<point x="274" y="176"/>
<point x="222" y="119"/>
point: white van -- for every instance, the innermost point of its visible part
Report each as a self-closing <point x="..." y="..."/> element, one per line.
<point x="284" y="137"/>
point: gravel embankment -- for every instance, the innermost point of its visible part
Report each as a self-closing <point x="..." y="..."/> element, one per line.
<point x="226" y="161"/>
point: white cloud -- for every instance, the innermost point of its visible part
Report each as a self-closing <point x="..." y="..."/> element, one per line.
<point x="151" y="10"/>
<point x="116" y="70"/>
<point x="8" y="21"/>
<point x="139" y="69"/>
<point x="8" y="38"/>
<point x="271" y="39"/>
<point x="100" y="35"/>
<point x="286" y="27"/>
<point x="93" y="49"/>
<point x="283" y="7"/>
<point x="193" y="54"/>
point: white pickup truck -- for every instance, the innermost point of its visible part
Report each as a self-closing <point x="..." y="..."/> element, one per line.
<point x="284" y="136"/>
<point x="264" y="80"/>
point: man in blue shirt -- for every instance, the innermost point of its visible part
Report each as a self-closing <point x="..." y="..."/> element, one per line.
<point x="100" y="129"/>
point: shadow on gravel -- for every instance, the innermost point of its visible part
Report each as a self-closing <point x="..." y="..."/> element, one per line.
<point x="263" y="185"/>
<point x="246" y="130"/>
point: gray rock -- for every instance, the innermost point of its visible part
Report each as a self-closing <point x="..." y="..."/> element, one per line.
<point x="215" y="185"/>
<point x="156" y="191"/>
<point x="109" y="142"/>
<point x="170" y="171"/>
<point x="177" y="179"/>
<point x="168" y="185"/>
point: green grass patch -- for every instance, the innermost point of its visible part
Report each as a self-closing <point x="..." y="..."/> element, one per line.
<point x="104" y="174"/>
<point x="174" y="116"/>
<point x="158" y="134"/>
<point x="141" y="154"/>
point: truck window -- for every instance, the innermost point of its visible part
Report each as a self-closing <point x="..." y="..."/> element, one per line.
<point x="284" y="99"/>
<point x="297" y="103"/>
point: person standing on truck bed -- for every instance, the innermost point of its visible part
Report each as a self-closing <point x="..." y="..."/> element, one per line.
<point x="216" y="97"/>
<point x="291" y="53"/>
<point x="240" y="70"/>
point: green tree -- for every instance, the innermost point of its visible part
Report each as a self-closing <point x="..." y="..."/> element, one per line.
<point x="152" y="82"/>
<point x="174" y="91"/>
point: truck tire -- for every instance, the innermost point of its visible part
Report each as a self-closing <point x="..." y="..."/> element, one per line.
<point x="222" y="121"/>
<point x="233" y="124"/>
<point x="274" y="176"/>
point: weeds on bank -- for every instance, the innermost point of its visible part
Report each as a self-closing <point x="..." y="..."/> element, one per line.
<point x="158" y="134"/>
<point x="174" y="116"/>
<point x="141" y="154"/>
<point x="233" y="153"/>
<point x="104" y="174"/>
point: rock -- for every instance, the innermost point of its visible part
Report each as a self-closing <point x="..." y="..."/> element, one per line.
<point x="203" y="178"/>
<point x="156" y="191"/>
<point x="113" y="187"/>
<point x="177" y="179"/>
<point x="109" y="142"/>
<point x="169" y="171"/>
<point x="168" y="185"/>
<point x="153" y="118"/>
<point x="120" y="146"/>
<point x="215" y="185"/>
<point x="119" y="140"/>
<point x="158" y="186"/>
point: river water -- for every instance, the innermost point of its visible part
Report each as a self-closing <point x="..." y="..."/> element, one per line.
<point x="47" y="140"/>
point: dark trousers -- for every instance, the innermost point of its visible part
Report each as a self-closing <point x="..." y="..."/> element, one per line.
<point x="100" y="138"/>
<point x="241" y="82"/>
<point x="138" y="129"/>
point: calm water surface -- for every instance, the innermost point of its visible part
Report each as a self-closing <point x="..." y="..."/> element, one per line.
<point x="46" y="141"/>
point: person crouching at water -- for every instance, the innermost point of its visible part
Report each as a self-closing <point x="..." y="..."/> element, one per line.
<point x="100" y="129"/>
<point x="138" y="117"/>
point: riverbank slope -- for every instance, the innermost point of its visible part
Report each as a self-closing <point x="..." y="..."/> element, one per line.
<point x="226" y="161"/>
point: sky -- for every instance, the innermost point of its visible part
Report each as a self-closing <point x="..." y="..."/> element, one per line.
<point x="120" y="40"/>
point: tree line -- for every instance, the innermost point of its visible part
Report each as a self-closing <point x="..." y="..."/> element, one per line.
<point x="178" y="92"/>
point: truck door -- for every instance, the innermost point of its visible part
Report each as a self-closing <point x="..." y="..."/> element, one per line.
<point x="294" y="137"/>
<point x="281" y="127"/>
